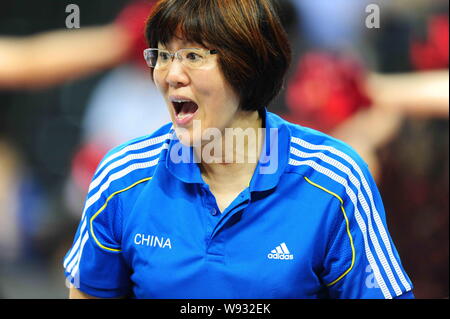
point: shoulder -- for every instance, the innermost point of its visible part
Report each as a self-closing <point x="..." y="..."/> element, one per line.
<point x="130" y="163"/>
<point x="123" y="168"/>
<point x="326" y="161"/>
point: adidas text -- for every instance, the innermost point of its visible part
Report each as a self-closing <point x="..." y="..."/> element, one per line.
<point x="280" y="256"/>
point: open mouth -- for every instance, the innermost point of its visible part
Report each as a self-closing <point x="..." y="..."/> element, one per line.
<point x="184" y="109"/>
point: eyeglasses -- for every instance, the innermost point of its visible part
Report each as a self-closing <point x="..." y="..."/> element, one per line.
<point x="191" y="57"/>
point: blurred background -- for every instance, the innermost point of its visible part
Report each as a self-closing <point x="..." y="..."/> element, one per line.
<point x="372" y="73"/>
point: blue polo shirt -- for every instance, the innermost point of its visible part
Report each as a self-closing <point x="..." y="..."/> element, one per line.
<point x="311" y="224"/>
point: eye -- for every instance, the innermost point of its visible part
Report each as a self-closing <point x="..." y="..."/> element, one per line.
<point x="193" y="56"/>
<point x="164" y="56"/>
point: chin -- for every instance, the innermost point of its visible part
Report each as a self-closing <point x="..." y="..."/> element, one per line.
<point x="187" y="137"/>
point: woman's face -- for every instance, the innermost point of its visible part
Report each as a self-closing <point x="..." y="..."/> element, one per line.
<point x="215" y="103"/>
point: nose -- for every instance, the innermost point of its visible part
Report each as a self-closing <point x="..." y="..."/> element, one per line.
<point x="176" y="74"/>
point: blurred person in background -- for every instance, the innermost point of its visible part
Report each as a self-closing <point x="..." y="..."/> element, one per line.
<point x="333" y="89"/>
<point x="56" y="56"/>
<point x="22" y="214"/>
<point x="334" y="93"/>
<point x="10" y="239"/>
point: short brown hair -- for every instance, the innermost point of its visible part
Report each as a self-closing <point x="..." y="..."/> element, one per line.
<point x="254" y="51"/>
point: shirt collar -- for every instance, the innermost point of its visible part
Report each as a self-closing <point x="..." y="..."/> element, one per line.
<point x="182" y="163"/>
<point x="274" y="155"/>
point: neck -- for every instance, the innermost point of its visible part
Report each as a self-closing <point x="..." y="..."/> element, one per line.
<point x="233" y="157"/>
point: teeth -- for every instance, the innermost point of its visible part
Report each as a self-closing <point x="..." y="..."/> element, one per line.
<point x="181" y="116"/>
<point x="181" y="101"/>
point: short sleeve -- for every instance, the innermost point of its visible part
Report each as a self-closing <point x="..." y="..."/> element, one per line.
<point x="95" y="263"/>
<point x="361" y="260"/>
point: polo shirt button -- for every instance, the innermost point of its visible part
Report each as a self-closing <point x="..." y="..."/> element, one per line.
<point x="213" y="211"/>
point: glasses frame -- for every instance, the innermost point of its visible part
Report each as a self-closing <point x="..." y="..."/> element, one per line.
<point x="177" y="55"/>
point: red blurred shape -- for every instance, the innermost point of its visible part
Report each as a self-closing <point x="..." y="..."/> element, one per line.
<point x="325" y="90"/>
<point x="433" y="52"/>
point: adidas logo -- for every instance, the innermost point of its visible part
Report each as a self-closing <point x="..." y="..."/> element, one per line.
<point x="280" y="252"/>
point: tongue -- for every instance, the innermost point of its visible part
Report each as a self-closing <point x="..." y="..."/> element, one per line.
<point x="188" y="107"/>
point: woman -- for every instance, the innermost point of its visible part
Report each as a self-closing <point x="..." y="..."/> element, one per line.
<point x="229" y="200"/>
